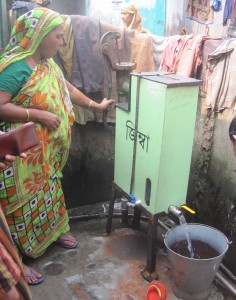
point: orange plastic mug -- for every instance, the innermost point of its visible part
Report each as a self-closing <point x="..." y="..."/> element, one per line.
<point x="156" y="291"/>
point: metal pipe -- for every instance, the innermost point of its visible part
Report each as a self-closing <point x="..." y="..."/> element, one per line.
<point x="226" y="283"/>
<point x="101" y="216"/>
<point x="117" y="49"/>
<point x="163" y="225"/>
<point x="223" y="281"/>
<point x="133" y="205"/>
<point x="107" y="67"/>
<point x="177" y="212"/>
<point x="227" y="272"/>
<point x="4" y="34"/>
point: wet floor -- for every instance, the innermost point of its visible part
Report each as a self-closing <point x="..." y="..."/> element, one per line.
<point x="103" y="267"/>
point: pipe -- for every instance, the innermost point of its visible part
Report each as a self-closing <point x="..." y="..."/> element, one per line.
<point x="227" y="272"/>
<point x="226" y="283"/>
<point x="178" y="213"/>
<point x="175" y="211"/>
<point x="133" y="205"/>
<point x="163" y="225"/>
<point x="107" y="68"/>
<point x="223" y="281"/>
<point x="101" y="216"/>
<point x="3" y="22"/>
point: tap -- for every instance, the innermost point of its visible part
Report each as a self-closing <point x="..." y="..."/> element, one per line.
<point x="137" y="203"/>
<point x="175" y="211"/>
<point x="125" y="203"/>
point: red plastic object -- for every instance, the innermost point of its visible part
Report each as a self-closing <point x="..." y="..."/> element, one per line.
<point x="156" y="291"/>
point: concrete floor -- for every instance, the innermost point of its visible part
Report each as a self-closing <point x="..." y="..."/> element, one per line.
<point x="103" y="267"/>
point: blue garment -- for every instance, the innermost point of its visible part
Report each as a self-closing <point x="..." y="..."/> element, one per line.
<point x="22" y="7"/>
<point x="227" y="11"/>
<point x="216" y="5"/>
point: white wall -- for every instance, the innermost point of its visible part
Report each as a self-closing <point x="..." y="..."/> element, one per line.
<point x="109" y="11"/>
<point x="106" y="11"/>
<point x="174" y="17"/>
<point x="152" y="11"/>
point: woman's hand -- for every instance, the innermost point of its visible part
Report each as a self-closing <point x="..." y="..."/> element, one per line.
<point x="47" y="119"/>
<point x="12" y="113"/>
<point x="78" y="98"/>
<point x="9" y="159"/>
<point x="106" y="104"/>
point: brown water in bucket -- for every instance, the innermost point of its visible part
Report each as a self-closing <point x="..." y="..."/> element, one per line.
<point x="201" y="250"/>
<point x="192" y="277"/>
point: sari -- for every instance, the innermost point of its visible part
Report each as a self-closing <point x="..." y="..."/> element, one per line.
<point x="30" y="191"/>
<point x="11" y="273"/>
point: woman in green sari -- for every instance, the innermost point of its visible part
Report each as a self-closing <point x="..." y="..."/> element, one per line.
<point x="33" y="88"/>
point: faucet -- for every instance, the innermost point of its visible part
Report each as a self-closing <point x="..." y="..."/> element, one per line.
<point x="125" y="203"/>
<point x="133" y="205"/>
<point x="175" y="211"/>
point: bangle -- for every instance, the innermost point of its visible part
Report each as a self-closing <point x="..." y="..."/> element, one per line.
<point x="28" y="116"/>
<point x="90" y="102"/>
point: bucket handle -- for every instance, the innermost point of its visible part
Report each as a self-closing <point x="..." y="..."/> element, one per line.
<point x="164" y="235"/>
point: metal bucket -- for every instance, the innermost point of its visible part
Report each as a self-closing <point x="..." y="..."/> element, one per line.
<point x="192" y="277"/>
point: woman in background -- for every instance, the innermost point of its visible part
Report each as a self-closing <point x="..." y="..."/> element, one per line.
<point x="131" y="18"/>
<point x="33" y="88"/>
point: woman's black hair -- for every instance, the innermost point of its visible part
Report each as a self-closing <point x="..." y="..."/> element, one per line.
<point x="232" y="129"/>
<point x="232" y="134"/>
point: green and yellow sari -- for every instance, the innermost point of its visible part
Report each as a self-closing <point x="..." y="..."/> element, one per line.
<point x="30" y="191"/>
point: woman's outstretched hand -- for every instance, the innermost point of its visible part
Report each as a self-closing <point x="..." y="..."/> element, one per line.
<point x="106" y="104"/>
<point x="80" y="99"/>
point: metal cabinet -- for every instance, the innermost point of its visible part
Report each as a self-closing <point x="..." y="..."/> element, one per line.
<point x="154" y="139"/>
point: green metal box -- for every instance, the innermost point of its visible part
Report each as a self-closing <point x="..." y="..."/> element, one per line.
<point x="154" y="139"/>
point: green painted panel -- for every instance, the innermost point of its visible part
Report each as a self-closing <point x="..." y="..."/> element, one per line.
<point x="166" y="120"/>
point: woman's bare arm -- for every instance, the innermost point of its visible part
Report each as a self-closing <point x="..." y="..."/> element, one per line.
<point x="12" y="113"/>
<point x="77" y="97"/>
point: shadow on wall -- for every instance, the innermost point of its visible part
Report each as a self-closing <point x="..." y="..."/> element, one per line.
<point x="88" y="174"/>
